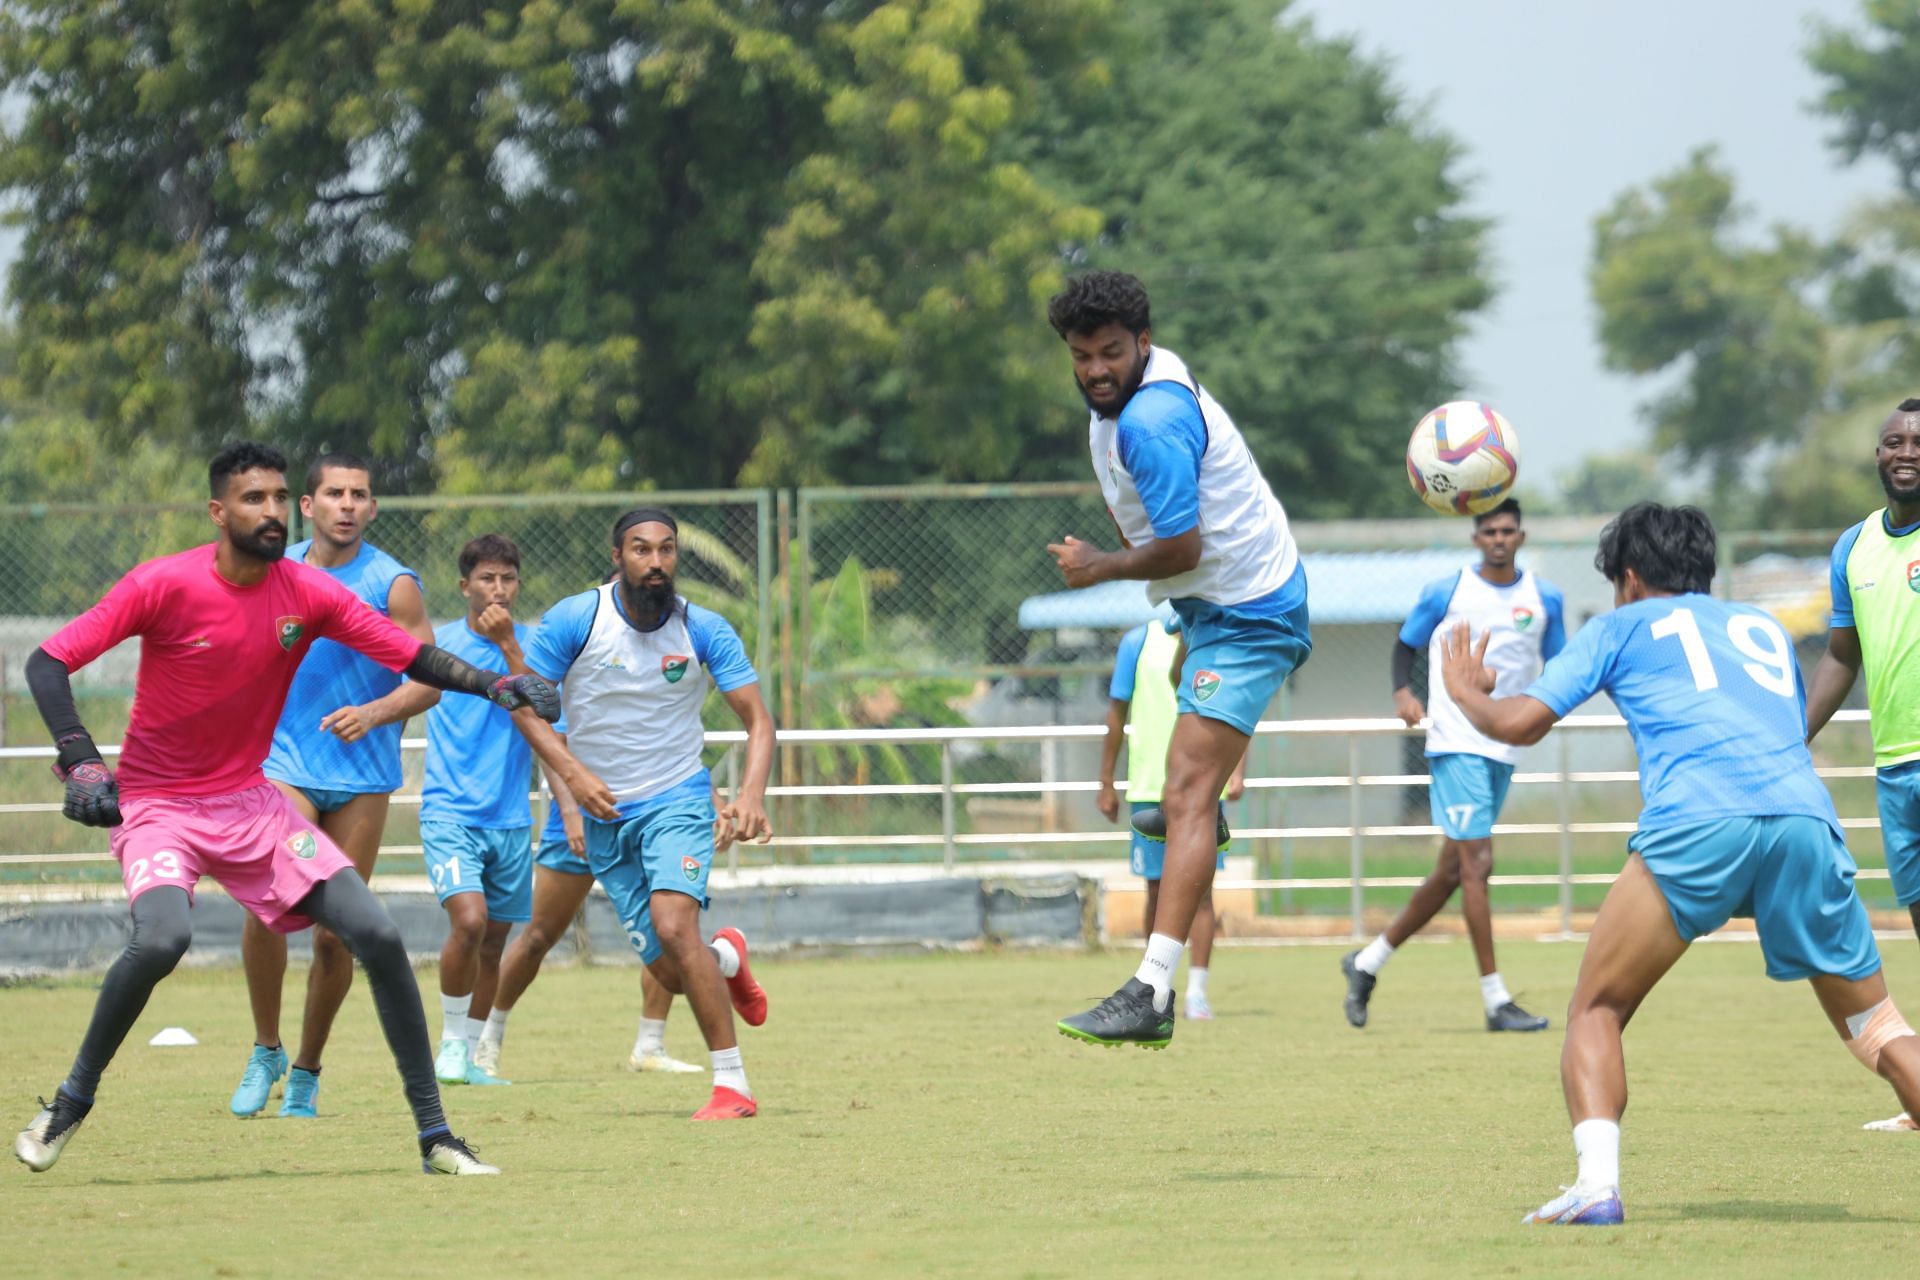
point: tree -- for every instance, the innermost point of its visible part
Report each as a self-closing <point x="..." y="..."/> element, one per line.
<point x="1870" y="78"/>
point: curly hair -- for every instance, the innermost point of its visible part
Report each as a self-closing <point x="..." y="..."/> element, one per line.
<point x="1098" y="299"/>
<point x="1671" y="548"/>
<point x="238" y="457"/>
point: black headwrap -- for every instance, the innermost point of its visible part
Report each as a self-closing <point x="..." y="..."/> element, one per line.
<point x="643" y="515"/>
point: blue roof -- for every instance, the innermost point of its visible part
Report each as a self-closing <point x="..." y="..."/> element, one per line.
<point x="1342" y="587"/>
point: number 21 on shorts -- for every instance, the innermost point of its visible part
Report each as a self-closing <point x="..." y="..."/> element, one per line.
<point x="1760" y="639"/>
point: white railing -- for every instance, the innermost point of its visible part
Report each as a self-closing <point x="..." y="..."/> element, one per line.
<point x="951" y="840"/>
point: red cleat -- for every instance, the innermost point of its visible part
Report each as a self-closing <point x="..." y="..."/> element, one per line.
<point x="749" y="997"/>
<point x="728" y="1104"/>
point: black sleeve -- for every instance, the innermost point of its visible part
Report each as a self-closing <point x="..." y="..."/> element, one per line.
<point x="53" y="693"/>
<point x="1404" y="655"/>
<point x="438" y="669"/>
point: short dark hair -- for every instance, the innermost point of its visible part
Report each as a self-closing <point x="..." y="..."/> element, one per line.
<point x="1671" y="548"/>
<point x="488" y="548"/>
<point x="1909" y="405"/>
<point x="240" y="456"/>
<point x="345" y="461"/>
<point x="1098" y="299"/>
<point x="1511" y="507"/>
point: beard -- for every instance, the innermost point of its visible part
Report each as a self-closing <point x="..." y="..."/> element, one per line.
<point x="256" y="544"/>
<point x="1127" y="388"/>
<point x="1894" y="492"/>
<point x="651" y="598"/>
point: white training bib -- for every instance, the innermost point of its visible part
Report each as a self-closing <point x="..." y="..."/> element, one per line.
<point x="632" y="700"/>
<point x="1516" y="617"/>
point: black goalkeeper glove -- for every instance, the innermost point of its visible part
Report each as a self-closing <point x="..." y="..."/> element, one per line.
<point x="93" y="798"/>
<point x="514" y="692"/>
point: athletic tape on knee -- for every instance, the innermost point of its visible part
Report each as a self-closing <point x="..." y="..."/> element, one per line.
<point x="1874" y="1030"/>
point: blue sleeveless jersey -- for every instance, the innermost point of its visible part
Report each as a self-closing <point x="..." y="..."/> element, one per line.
<point x="333" y="676"/>
<point x="479" y="766"/>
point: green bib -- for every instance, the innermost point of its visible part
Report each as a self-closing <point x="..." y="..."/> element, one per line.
<point x="1883" y="578"/>
<point x="1151" y="713"/>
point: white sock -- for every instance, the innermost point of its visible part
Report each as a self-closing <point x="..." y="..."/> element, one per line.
<point x="727" y="1071"/>
<point x="476" y="1027"/>
<point x="496" y="1032"/>
<point x="1596" y="1143"/>
<point x="653" y="1037"/>
<point x="453" y="1016"/>
<point x="1493" y="991"/>
<point x="1196" y="983"/>
<point x="1157" y="966"/>
<point x="724" y="953"/>
<point x="1374" y="956"/>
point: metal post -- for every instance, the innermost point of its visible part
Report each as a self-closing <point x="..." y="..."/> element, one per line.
<point x="1358" y="857"/>
<point x="783" y="534"/>
<point x="802" y="582"/>
<point x="1049" y="774"/>
<point x="763" y="578"/>
<point x="946" y="802"/>
<point x="1566" y="836"/>
<point x="733" y="793"/>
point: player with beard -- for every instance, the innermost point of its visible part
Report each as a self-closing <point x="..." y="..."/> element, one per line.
<point x="336" y="755"/>
<point x="1875" y="582"/>
<point x="634" y="660"/>
<point x="223" y="629"/>
<point x="1200" y="526"/>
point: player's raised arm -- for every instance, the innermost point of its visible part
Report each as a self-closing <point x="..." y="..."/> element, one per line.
<point x="1520" y="721"/>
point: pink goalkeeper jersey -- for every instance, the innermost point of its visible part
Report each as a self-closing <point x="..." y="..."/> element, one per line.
<point x="215" y="663"/>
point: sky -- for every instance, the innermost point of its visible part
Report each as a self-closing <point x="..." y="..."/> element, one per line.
<point x="1560" y="106"/>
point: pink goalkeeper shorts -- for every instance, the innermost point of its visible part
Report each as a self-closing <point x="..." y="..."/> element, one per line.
<point x="254" y="842"/>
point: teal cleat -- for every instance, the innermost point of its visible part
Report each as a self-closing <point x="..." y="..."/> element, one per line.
<point x="264" y="1068"/>
<point x="477" y="1074"/>
<point x="453" y="1062"/>
<point x="302" y="1093"/>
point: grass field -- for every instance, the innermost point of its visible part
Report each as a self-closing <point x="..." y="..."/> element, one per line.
<point x="922" y="1118"/>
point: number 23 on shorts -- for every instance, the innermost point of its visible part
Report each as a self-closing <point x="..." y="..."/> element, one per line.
<point x="164" y="865"/>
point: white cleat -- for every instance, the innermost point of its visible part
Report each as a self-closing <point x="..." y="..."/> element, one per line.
<point x="450" y="1067"/>
<point x="1902" y="1123"/>
<point x="449" y="1154"/>
<point x="41" y="1142"/>
<point x="486" y="1056"/>
<point x="1199" y="1009"/>
<point x="661" y="1061"/>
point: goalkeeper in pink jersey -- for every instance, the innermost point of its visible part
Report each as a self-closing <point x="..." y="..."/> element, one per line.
<point x="223" y="628"/>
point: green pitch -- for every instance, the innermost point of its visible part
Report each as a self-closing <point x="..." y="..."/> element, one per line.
<point x="922" y="1117"/>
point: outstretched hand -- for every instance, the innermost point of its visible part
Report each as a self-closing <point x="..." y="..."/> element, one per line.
<point x="515" y="692"/>
<point x="1079" y="561"/>
<point x="1464" y="663"/>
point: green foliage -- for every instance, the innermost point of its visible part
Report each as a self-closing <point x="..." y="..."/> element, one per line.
<point x="1870" y="85"/>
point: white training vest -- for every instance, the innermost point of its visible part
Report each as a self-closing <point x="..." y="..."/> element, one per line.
<point x="632" y="700"/>
<point x="1246" y="549"/>
<point x="1517" y="618"/>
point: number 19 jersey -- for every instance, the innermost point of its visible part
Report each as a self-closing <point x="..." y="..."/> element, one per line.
<point x="1713" y="697"/>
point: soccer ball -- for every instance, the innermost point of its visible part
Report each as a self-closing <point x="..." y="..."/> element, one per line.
<point x="1463" y="458"/>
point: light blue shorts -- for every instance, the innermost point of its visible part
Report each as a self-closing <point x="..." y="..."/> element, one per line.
<point x="1148" y="857"/>
<point x="661" y="844"/>
<point x="554" y="853"/>
<point x="1792" y="875"/>
<point x="1899" y="790"/>
<point x="330" y="799"/>
<point x="495" y="861"/>
<point x="1235" y="662"/>
<point x="1467" y="794"/>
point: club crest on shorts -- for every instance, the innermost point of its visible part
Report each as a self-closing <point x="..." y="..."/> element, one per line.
<point x="1913" y="575"/>
<point x="1205" y="685"/>
<point x="289" y="629"/>
<point x="1522" y="617"/>
<point x="690" y="867"/>
<point x="673" y="666"/>
<point x="302" y="845"/>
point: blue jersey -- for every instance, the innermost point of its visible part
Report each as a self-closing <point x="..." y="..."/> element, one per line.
<point x="1713" y="697"/>
<point x="333" y="676"/>
<point x="479" y="766"/>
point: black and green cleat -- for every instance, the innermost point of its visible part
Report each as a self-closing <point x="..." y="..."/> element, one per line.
<point x="1125" y="1017"/>
<point x="1152" y="825"/>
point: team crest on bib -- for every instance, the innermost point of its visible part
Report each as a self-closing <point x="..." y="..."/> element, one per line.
<point x="690" y="867"/>
<point x="1205" y="685"/>
<point x="1913" y="575"/>
<point x="289" y="629"/>
<point x="1522" y="617"/>
<point x="673" y="666"/>
<point x="302" y="845"/>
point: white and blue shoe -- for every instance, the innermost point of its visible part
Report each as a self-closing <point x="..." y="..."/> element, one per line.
<point x="302" y="1096"/>
<point x="1577" y="1208"/>
<point x="264" y="1068"/>
<point x="453" y="1062"/>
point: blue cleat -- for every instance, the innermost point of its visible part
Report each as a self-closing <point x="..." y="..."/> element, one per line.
<point x="1577" y="1208"/>
<point x="477" y="1074"/>
<point x="303" y="1090"/>
<point x="264" y="1068"/>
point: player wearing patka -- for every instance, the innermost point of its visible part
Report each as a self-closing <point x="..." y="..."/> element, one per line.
<point x="634" y="660"/>
<point x="1875" y="584"/>
<point x="1734" y="821"/>
<point x="1203" y="530"/>
<point x="336" y="756"/>
<point x="223" y="629"/>
<point x="1524" y="618"/>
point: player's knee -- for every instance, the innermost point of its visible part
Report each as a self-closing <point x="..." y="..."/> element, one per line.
<point x="1870" y="1033"/>
<point x="157" y="949"/>
<point x="377" y="942"/>
<point x="1476" y="861"/>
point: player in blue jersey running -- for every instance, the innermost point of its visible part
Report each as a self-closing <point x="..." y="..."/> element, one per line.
<point x="1734" y="822"/>
<point x="336" y="756"/>
<point x="1200" y="526"/>
<point x="634" y="660"/>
